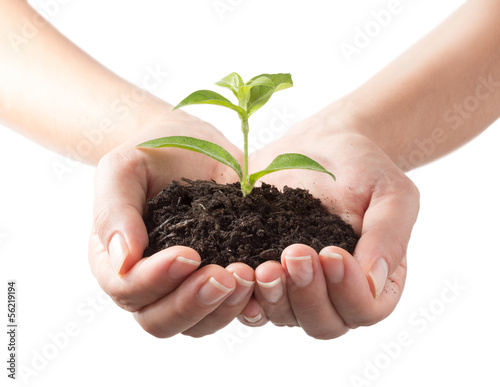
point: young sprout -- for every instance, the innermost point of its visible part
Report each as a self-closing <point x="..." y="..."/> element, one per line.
<point x="251" y="96"/>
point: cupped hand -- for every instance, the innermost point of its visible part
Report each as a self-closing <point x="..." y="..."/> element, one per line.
<point x="165" y="291"/>
<point x="330" y="291"/>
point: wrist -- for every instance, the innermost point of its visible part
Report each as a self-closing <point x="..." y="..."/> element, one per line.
<point x="338" y="118"/>
<point x="349" y="116"/>
<point x="345" y="119"/>
<point x="150" y="118"/>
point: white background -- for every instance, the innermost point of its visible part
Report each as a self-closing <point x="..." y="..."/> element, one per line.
<point x="45" y="217"/>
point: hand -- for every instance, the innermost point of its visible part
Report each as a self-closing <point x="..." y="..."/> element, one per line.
<point x="165" y="292"/>
<point x="330" y="292"/>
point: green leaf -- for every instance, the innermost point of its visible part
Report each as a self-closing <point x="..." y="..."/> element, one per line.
<point x="232" y="81"/>
<point x="201" y="146"/>
<point x="209" y="97"/>
<point x="288" y="161"/>
<point x="261" y="80"/>
<point x="244" y="96"/>
<point x="244" y="90"/>
<point x="263" y="87"/>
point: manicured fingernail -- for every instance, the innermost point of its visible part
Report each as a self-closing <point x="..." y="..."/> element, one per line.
<point x="241" y="291"/>
<point x="333" y="266"/>
<point x="212" y="292"/>
<point x="271" y="291"/>
<point x="181" y="267"/>
<point x="300" y="270"/>
<point x="118" y="251"/>
<point x="378" y="274"/>
<point x="253" y="319"/>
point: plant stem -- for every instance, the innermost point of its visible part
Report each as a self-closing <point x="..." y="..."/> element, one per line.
<point x="244" y="184"/>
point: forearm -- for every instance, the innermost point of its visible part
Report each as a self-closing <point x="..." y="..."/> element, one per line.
<point x="438" y="95"/>
<point x="56" y="94"/>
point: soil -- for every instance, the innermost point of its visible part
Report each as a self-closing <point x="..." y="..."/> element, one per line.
<point x="225" y="227"/>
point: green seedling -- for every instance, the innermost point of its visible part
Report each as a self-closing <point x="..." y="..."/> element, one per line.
<point x="251" y="96"/>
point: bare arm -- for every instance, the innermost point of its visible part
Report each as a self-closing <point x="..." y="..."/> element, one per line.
<point x="438" y="95"/>
<point x="435" y="97"/>
<point x="54" y="93"/>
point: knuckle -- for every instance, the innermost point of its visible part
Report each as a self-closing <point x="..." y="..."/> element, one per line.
<point x="328" y="331"/>
<point x="151" y="328"/>
<point x="182" y="313"/>
<point x="102" y="222"/>
<point x="121" y="161"/>
<point x="412" y="193"/>
<point x="126" y="305"/>
<point x="280" y="316"/>
<point x="362" y="321"/>
<point x="353" y="324"/>
<point x="196" y="334"/>
<point x="288" y="324"/>
<point x="123" y="298"/>
<point x="328" y="335"/>
<point x="395" y="181"/>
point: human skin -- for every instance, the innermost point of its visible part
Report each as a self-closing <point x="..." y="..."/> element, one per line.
<point x="41" y="75"/>
<point x="435" y="97"/>
<point x="367" y="138"/>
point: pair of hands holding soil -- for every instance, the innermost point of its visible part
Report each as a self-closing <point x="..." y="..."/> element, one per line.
<point x="325" y="292"/>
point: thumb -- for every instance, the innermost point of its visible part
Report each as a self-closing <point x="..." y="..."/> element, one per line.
<point x="355" y="284"/>
<point x="387" y="225"/>
<point x="120" y="195"/>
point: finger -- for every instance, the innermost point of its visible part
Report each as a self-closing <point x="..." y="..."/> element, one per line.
<point x="253" y="315"/>
<point x="149" y="280"/>
<point x="270" y="293"/>
<point x="120" y="195"/>
<point x="198" y="296"/>
<point x="232" y="306"/>
<point x="387" y="226"/>
<point x="308" y="293"/>
<point x="350" y="292"/>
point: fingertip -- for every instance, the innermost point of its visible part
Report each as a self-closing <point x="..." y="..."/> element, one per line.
<point x="253" y="315"/>
<point x="181" y="260"/>
<point x="244" y="277"/>
<point x="343" y="272"/>
<point x="335" y="250"/>
<point x="333" y="263"/>
<point x="297" y="250"/>
<point x="269" y="271"/>
<point x="125" y="251"/>
<point x="182" y="251"/>
<point x="118" y="251"/>
<point x="243" y="273"/>
<point x="300" y="264"/>
<point x="221" y="275"/>
<point x="217" y="285"/>
<point x="377" y="276"/>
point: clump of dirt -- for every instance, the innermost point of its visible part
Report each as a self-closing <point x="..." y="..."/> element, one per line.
<point x="225" y="227"/>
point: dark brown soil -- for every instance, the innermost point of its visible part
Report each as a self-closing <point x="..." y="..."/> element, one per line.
<point x="225" y="227"/>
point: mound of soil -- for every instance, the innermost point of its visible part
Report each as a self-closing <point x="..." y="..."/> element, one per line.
<point x="225" y="227"/>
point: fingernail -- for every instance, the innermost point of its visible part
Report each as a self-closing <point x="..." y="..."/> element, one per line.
<point x="271" y="291"/>
<point x="241" y="291"/>
<point x="181" y="267"/>
<point x="378" y="274"/>
<point x="333" y="266"/>
<point x="118" y="251"/>
<point x="212" y="292"/>
<point x="300" y="270"/>
<point x="253" y="319"/>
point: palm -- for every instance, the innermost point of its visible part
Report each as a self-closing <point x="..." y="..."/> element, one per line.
<point x="369" y="191"/>
<point x="125" y="179"/>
